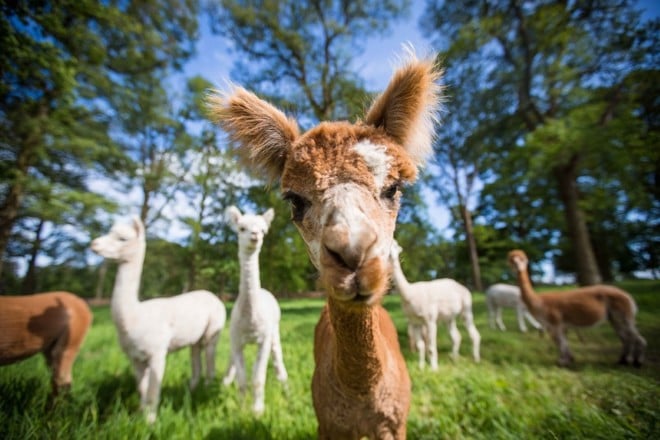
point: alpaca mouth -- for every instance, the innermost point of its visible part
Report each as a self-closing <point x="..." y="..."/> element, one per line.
<point x="360" y="298"/>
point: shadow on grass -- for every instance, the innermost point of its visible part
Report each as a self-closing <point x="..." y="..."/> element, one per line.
<point x="243" y="431"/>
<point x="115" y="390"/>
<point x="23" y="393"/>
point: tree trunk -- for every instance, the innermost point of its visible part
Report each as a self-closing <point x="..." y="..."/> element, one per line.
<point x="12" y="202"/>
<point x="29" y="284"/>
<point x="472" y="246"/>
<point x="587" y="267"/>
<point x="100" y="281"/>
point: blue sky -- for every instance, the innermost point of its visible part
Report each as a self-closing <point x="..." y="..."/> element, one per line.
<point x="213" y="60"/>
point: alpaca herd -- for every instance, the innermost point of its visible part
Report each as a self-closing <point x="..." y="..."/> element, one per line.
<point x="343" y="183"/>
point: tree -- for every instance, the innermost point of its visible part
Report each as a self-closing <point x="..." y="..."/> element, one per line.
<point x="545" y="62"/>
<point x="61" y="63"/>
<point x="299" y="54"/>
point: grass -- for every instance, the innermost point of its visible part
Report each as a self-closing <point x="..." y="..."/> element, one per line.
<point x="517" y="391"/>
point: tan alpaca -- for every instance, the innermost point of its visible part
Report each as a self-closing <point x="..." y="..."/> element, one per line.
<point x="53" y="323"/>
<point x="343" y="183"/>
<point x="583" y="307"/>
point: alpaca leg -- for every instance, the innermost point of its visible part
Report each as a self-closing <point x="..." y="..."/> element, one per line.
<point x="60" y="378"/>
<point x="230" y="374"/>
<point x="238" y="364"/>
<point x="639" y="346"/>
<point x="431" y="331"/>
<point x="500" y="323"/>
<point x="418" y="338"/>
<point x="455" y="336"/>
<point x="259" y="375"/>
<point x="633" y="343"/>
<point x="412" y="341"/>
<point x="209" y="357"/>
<point x="156" y="370"/>
<point x="232" y="369"/>
<point x="520" y="313"/>
<point x="559" y="336"/>
<point x="278" y="358"/>
<point x="532" y="321"/>
<point x="491" y="314"/>
<point x="475" y="336"/>
<point x="196" y="362"/>
<point x="141" y="380"/>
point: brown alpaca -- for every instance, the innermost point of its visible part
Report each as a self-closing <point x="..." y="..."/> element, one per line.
<point x="343" y="183"/>
<point x="54" y="323"/>
<point x="583" y="307"/>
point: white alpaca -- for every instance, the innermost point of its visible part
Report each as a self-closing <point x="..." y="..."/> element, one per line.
<point x="255" y="317"/>
<point x="427" y="302"/>
<point x="150" y="329"/>
<point x="501" y="295"/>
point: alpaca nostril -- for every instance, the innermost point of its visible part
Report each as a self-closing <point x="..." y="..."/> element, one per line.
<point x="340" y="260"/>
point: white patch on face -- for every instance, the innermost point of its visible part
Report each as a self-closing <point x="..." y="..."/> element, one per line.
<point x="376" y="158"/>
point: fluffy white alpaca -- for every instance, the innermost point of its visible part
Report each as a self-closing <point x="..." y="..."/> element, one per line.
<point x="255" y="317"/>
<point x="502" y="295"/>
<point x="148" y="330"/>
<point x="427" y="302"/>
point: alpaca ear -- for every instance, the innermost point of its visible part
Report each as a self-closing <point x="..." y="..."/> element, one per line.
<point x="233" y="216"/>
<point x="268" y="216"/>
<point x="138" y="226"/>
<point x="262" y="133"/>
<point x="408" y="108"/>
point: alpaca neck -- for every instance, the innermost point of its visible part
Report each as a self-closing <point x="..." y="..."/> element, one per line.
<point x="400" y="280"/>
<point x="529" y="297"/>
<point x="250" y="278"/>
<point x="359" y="360"/>
<point x="127" y="285"/>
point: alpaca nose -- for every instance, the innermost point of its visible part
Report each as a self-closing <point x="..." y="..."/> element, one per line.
<point x="347" y="243"/>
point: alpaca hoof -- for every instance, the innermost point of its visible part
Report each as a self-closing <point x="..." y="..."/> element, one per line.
<point x="258" y="408"/>
<point x="151" y="417"/>
<point x="623" y="361"/>
<point x="565" y="362"/>
<point x="637" y="364"/>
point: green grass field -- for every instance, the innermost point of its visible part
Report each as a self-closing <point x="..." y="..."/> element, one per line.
<point x="516" y="392"/>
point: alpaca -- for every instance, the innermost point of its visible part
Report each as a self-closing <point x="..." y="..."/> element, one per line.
<point x="502" y="295"/>
<point x="148" y="330"/>
<point x="583" y="307"/>
<point x="255" y="317"/>
<point x="343" y="183"/>
<point x="427" y="302"/>
<point x="53" y="323"/>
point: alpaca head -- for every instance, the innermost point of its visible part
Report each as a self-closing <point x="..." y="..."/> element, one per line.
<point x="342" y="180"/>
<point x="518" y="260"/>
<point x="250" y="228"/>
<point x="124" y="242"/>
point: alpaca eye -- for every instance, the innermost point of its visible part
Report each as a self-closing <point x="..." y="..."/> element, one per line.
<point x="391" y="191"/>
<point x="298" y="204"/>
<point x="241" y="229"/>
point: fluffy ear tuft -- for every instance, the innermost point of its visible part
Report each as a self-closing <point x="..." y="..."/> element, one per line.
<point x="262" y="132"/>
<point x="233" y="216"/>
<point x="408" y="108"/>
<point x="268" y="216"/>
